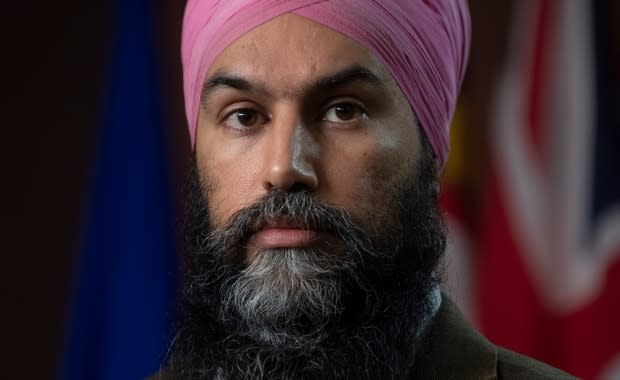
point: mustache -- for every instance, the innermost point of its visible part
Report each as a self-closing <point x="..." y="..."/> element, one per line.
<point x="299" y="208"/>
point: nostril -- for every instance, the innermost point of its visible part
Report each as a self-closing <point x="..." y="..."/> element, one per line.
<point x="291" y="178"/>
<point x="299" y="187"/>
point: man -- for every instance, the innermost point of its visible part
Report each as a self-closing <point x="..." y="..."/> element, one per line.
<point x="319" y="130"/>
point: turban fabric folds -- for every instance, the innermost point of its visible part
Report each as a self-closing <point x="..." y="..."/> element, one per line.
<point x="423" y="43"/>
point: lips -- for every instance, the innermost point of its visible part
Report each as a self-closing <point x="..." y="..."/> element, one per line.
<point x="284" y="233"/>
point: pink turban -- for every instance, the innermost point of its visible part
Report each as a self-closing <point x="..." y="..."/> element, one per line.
<point x="423" y="43"/>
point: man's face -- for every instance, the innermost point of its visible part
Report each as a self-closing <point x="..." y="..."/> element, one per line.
<point x="295" y="105"/>
<point x="312" y="222"/>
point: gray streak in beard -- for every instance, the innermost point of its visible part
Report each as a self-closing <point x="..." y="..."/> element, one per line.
<point x="280" y="287"/>
<point x="287" y="296"/>
<point x="384" y="282"/>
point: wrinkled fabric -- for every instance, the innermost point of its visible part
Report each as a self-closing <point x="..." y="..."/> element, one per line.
<point x="423" y="43"/>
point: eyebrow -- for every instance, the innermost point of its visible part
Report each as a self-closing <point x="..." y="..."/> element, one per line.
<point x="328" y="82"/>
<point x="344" y="77"/>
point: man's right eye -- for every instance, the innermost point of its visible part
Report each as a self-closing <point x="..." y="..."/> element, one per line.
<point x="244" y="118"/>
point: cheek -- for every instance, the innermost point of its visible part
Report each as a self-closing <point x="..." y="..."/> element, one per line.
<point x="363" y="177"/>
<point x="385" y="176"/>
<point x="231" y="179"/>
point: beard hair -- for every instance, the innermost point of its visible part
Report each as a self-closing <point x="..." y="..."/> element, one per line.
<point x="304" y="313"/>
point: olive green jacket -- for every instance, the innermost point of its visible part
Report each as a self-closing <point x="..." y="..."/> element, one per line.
<point x="453" y="349"/>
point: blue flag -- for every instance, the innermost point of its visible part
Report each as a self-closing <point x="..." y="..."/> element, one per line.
<point x="125" y="283"/>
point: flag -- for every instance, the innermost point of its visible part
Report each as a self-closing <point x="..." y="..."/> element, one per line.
<point x="549" y="265"/>
<point x="121" y="315"/>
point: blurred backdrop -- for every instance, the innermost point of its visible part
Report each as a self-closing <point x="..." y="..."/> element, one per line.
<point x="97" y="151"/>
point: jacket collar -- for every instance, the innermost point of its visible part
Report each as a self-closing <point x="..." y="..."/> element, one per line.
<point x="453" y="349"/>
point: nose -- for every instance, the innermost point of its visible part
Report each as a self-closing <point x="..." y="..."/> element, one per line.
<point x="289" y="155"/>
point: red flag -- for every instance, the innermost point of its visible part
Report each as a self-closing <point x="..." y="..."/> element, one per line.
<point x="549" y="272"/>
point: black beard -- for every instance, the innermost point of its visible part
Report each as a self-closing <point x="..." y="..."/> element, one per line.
<point x="304" y="313"/>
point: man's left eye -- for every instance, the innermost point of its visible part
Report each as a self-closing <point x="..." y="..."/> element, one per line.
<point x="343" y="113"/>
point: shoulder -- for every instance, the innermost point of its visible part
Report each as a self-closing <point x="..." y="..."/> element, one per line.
<point x="453" y="349"/>
<point x="512" y="365"/>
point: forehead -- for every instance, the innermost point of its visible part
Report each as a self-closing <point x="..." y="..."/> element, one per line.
<point x="289" y="50"/>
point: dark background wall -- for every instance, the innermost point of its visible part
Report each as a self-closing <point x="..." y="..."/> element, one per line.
<point x="54" y="61"/>
<point x="54" y="55"/>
